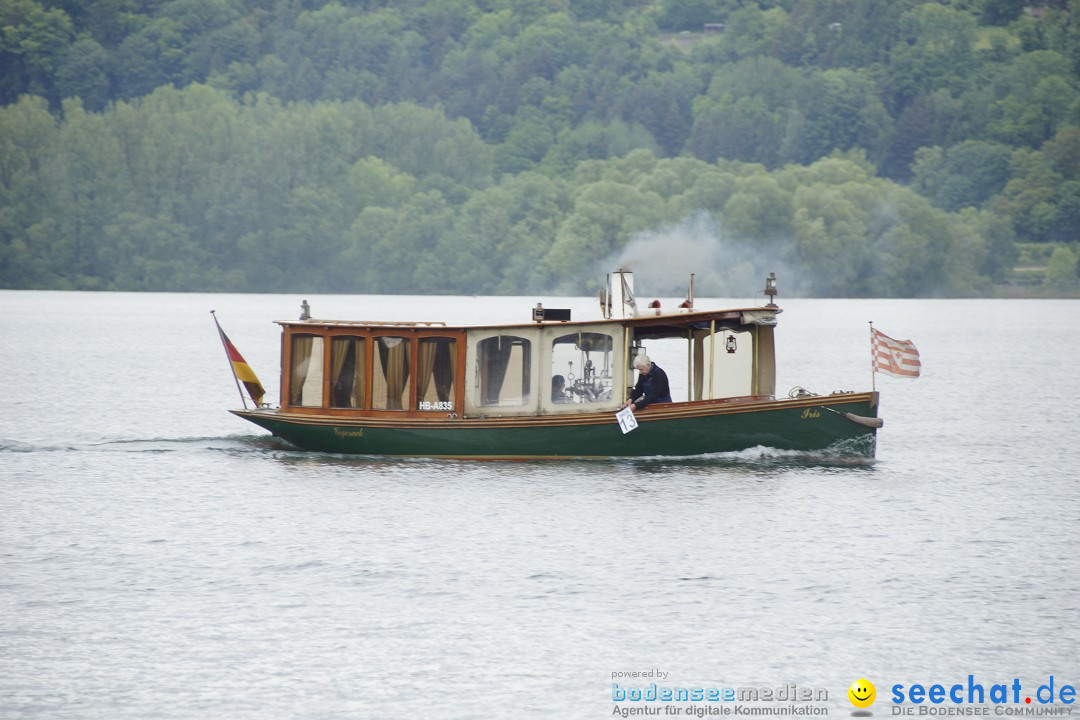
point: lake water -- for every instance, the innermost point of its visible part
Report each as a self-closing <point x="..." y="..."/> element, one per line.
<point x="160" y="558"/>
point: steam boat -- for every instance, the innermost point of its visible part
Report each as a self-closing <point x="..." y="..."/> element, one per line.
<point x="551" y="388"/>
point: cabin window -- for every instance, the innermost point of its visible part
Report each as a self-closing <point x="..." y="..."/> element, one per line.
<point x="435" y="361"/>
<point x="503" y="363"/>
<point x="347" y="372"/>
<point x="581" y="368"/>
<point x="390" y="375"/>
<point x="306" y="374"/>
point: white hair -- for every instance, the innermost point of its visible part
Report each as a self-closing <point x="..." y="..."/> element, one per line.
<point x="642" y="362"/>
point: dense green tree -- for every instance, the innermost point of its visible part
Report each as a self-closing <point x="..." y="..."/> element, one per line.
<point x="662" y="103"/>
<point x="1063" y="151"/>
<point x="84" y="74"/>
<point x="598" y="9"/>
<point x="528" y="141"/>
<point x="745" y="114"/>
<point x="537" y="206"/>
<point x="1061" y="268"/>
<point x="1067" y="206"/>
<point x="29" y="139"/>
<point x="423" y="142"/>
<point x="195" y="17"/>
<point x="466" y="255"/>
<point x="1028" y="197"/>
<point x="374" y="182"/>
<point x="1035" y="94"/>
<point x="216" y="51"/>
<point x="738" y="129"/>
<point x="1000" y="12"/>
<point x="401" y="254"/>
<point x="967" y="174"/>
<point x="153" y="253"/>
<point x="148" y="58"/>
<point x="999" y="251"/>
<point x="935" y="51"/>
<point x="839" y="111"/>
<point x="930" y="120"/>
<point x="759" y="209"/>
<point x="107" y="21"/>
<point x="604" y="215"/>
<point x="748" y="31"/>
<point x="91" y="184"/>
<point x="33" y="43"/>
<point x="841" y="33"/>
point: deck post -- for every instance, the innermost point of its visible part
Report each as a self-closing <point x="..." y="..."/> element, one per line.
<point x="690" y="362"/>
<point x="755" y="364"/>
<point x="712" y="354"/>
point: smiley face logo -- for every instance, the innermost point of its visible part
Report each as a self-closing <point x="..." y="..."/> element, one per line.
<point x="862" y="693"/>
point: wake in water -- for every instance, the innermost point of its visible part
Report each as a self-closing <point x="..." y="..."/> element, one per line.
<point x="855" y="452"/>
<point x="150" y="445"/>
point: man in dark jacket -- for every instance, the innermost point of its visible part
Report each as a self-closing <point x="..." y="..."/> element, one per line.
<point x="652" y="384"/>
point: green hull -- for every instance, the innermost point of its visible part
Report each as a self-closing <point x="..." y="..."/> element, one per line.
<point x="802" y="424"/>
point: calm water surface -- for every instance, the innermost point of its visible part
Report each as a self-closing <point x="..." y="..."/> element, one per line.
<point x="160" y="558"/>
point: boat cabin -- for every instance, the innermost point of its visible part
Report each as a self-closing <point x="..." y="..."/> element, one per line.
<point x="546" y="367"/>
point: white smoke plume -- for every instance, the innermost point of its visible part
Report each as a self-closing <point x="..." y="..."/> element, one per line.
<point x="723" y="267"/>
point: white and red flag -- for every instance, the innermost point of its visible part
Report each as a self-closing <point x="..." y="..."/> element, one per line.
<point x="898" y="358"/>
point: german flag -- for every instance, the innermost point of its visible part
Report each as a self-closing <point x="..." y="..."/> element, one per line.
<point x="241" y="370"/>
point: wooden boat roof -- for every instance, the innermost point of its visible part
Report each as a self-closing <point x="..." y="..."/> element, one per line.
<point x="646" y="324"/>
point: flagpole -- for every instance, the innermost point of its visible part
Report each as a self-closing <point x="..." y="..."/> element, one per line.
<point x="221" y="335"/>
<point x="873" y="360"/>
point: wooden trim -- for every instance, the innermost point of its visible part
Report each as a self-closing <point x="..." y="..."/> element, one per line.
<point x="327" y="370"/>
<point x="640" y="321"/>
<point x="461" y="376"/>
<point x="286" y="370"/>
<point x="413" y="380"/>
<point x="654" y="413"/>
<point x="281" y="358"/>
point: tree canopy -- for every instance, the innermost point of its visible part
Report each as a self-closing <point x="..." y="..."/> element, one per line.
<point x="868" y="147"/>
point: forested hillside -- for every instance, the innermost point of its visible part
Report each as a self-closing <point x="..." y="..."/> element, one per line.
<point x="860" y="147"/>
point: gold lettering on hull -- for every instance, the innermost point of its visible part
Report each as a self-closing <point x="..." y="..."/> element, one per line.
<point x="348" y="433"/>
<point x="810" y="413"/>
